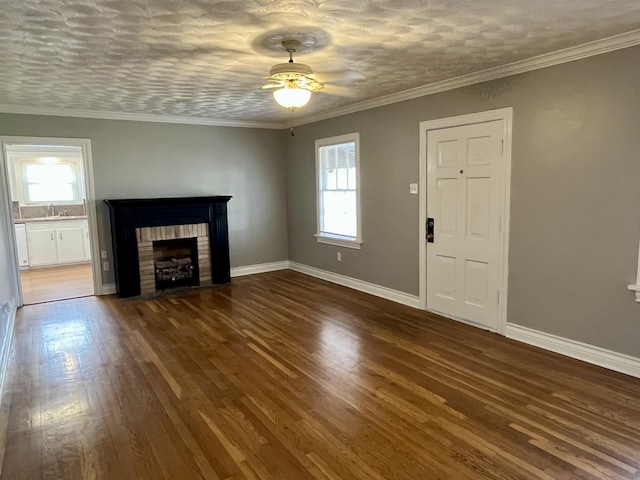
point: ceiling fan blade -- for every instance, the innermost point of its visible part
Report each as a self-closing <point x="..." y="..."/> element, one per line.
<point x="342" y="76"/>
<point x="271" y="85"/>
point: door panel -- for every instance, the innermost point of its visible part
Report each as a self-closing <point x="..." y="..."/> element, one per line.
<point x="465" y="197"/>
<point x="480" y="150"/>
<point x="446" y="272"/>
<point x="448" y="153"/>
<point x="476" y="289"/>
<point x="447" y="214"/>
<point x="478" y="208"/>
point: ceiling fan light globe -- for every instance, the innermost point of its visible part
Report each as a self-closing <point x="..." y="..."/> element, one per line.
<point x="292" y="98"/>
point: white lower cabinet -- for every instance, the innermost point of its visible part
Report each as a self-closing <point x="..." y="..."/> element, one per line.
<point x="41" y="241"/>
<point x="54" y="244"/>
<point x="21" y="242"/>
<point x="87" y="241"/>
<point x="70" y="243"/>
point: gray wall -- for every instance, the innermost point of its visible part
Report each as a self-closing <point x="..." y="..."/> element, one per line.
<point x="139" y="159"/>
<point x="7" y="293"/>
<point x="575" y="195"/>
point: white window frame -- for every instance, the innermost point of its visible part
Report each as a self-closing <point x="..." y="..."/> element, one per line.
<point x="323" y="237"/>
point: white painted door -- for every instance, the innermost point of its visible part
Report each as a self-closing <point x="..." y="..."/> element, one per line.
<point x="465" y="198"/>
<point x="70" y="243"/>
<point x="42" y="246"/>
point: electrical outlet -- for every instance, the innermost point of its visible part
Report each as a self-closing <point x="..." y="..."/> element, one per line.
<point x="413" y="188"/>
<point x="103" y="254"/>
<point x="105" y="266"/>
<point x="339" y="256"/>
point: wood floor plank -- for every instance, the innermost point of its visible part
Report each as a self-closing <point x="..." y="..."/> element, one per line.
<point x="56" y="283"/>
<point x="282" y="376"/>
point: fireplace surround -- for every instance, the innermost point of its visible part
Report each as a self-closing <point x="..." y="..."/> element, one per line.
<point x="137" y="223"/>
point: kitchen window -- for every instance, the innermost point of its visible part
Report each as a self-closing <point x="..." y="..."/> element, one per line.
<point x="50" y="182"/>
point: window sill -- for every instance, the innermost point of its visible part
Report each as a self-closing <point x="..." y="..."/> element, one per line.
<point x="339" y="242"/>
<point x="635" y="288"/>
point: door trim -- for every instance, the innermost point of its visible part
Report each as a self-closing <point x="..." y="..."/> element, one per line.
<point x="506" y="115"/>
<point x="92" y="216"/>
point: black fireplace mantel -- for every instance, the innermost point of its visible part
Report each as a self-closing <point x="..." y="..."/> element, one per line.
<point x="129" y="214"/>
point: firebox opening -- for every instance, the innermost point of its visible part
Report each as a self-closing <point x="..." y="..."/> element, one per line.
<point x="176" y="263"/>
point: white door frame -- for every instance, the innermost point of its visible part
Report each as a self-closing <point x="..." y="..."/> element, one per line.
<point x="90" y="194"/>
<point x="506" y="115"/>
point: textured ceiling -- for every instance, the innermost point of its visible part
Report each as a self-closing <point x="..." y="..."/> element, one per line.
<point x="209" y="58"/>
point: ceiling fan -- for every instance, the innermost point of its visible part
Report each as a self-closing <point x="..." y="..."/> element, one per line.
<point x="294" y="81"/>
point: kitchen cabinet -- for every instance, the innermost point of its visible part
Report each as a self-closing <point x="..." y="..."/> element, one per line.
<point x="21" y="243"/>
<point x="70" y="243"/>
<point x="56" y="242"/>
<point x="87" y="241"/>
<point x="42" y="245"/>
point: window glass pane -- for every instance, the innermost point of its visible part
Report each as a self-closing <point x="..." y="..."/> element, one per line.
<point x="52" y="173"/>
<point x="49" y="192"/>
<point x="330" y="179"/>
<point x="346" y="155"/>
<point x="50" y="182"/>
<point x="352" y="178"/>
<point x="342" y="179"/>
<point x="339" y="213"/>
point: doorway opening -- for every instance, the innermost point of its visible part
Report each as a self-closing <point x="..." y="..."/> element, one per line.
<point x="465" y="171"/>
<point x="48" y="193"/>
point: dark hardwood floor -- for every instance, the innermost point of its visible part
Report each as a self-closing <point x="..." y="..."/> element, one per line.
<point x="283" y="376"/>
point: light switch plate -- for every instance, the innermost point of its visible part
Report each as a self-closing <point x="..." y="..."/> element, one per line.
<point x="413" y="188"/>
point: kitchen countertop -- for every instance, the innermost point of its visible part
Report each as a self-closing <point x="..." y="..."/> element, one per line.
<point x="49" y="219"/>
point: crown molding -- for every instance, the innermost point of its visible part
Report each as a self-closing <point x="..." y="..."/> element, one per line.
<point x="137" y="117"/>
<point x="597" y="47"/>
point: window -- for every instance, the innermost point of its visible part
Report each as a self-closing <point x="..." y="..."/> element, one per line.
<point x="50" y="182"/>
<point x="338" y="179"/>
<point x="44" y="174"/>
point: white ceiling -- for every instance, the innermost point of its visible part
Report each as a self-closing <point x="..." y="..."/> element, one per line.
<point x="208" y="59"/>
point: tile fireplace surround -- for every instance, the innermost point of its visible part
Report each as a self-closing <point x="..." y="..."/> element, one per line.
<point x="137" y="223"/>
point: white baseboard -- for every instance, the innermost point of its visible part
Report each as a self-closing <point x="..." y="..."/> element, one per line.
<point x="8" y="314"/>
<point x="259" y="268"/>
<point x="617" y="362"/>
<point x="371" y="288"/>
